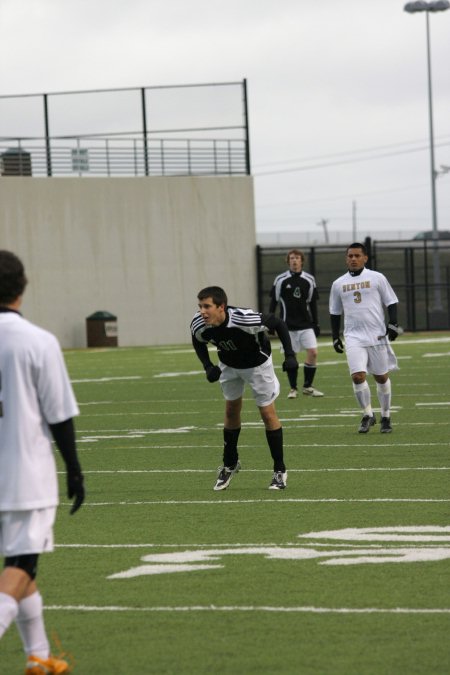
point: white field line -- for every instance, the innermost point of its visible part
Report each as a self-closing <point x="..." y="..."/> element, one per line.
<point x="310" y="446"/>
<point x="246" y="398"/>
<point x="252" y="608"/>
<point x="324" y="470"/>
<point x="108" y="379"/>
<point x="281" y="500"/>
<point x="340" y="362"/>
<point x="189" y="373"/>
<point x="314" y="544"/>
<point x="431" y="355"/>
<point x="403" y="342"/>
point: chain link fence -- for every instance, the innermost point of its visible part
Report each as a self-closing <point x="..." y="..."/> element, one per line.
<point x="410" y="266"/>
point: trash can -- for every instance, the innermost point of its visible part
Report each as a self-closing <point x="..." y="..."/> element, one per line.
<point x="15" y="162"/>
<point x="101" y="330"/>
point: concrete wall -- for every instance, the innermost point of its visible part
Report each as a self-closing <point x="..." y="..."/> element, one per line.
<point x="140" y="248"/>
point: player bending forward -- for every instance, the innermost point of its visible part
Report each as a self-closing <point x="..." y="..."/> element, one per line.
<point x="244" y="351"/>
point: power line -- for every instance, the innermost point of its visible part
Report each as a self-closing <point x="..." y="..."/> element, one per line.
<point x="323" y="165"/>
<point x="339" y="197"/>
<point x="350" y="152"/>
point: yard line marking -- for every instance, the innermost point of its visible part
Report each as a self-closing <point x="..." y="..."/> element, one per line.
<point x="325" y="470"/>
<point x="183" y="373"/>
<point x="408" y="542"/>
<point x="422" y="341"/>
<point x="192" y="545"/>
<point x="306" y="544"/>
<point x="292" y="500"/>
<point x="108" y="379"/>
<point x="433" y="403"/>
<point x="431" y="354"/>
<point x="415" y="533"/>
<point x="89" y="439"/>
<point x="86" y="438"/>
<point x="144" y="412"/>
<point x="404" y="342"/>
<point x="252" y="608"/>
<point x="180" y="373"/>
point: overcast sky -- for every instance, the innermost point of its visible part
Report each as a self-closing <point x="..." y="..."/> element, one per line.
<point x="338" y="103"/>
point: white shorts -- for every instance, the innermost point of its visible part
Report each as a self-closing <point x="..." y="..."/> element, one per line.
<point x="24" y="532"/>
<point x="262" y="380"/>
<point x="302" y="340"/>
<point x="376" y="360"/>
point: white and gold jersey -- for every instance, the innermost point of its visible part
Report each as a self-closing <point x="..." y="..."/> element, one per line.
<point x="35" y="391"/>
<point x="362" y="299"/>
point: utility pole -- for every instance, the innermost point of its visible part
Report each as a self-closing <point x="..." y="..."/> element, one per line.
<point x="323" y="223"/>
<point x="354" y="221"/>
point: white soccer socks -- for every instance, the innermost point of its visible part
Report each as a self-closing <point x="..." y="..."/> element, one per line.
<point x="362" y="393"/>
<point x="30" y="623"/>
<point x="384" y="397"/>
<point x="8" y="612"/>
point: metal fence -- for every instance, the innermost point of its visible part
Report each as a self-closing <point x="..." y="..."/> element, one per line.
<point x="178" y="130"/>
<point x="410" y="267"/>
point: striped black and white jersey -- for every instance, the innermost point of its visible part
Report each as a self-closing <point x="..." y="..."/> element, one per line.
<point x="241" y="340"/>
<point x="297" y="295"/>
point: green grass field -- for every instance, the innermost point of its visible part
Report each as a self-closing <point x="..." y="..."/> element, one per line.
<point x="345" y="572"/>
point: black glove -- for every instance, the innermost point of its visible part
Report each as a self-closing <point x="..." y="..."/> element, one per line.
<point x="290" y="363"/>
<point x="316" y="329"/>
<point x="338" y="346"/>
<point x="213" y="373"/>
<point x="393" y="330"/>
<point x="75" y="488"/>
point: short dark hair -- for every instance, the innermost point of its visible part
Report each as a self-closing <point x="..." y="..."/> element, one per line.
<point x="218" y="295"/>
<point x="356" y="244"/>
<point x="12" y="277"/>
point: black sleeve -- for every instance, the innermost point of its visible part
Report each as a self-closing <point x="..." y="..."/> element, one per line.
<point x="274" y="323"/>
<point x="392" y="313"/>
<point x="64" y="435"/>
<point x="273" y="302"/>
<point x="313" y="308"/>
<point x="201" y="350"/>
<point x="335" y="325"/>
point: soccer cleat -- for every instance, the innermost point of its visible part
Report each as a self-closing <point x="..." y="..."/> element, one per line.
<point x="366" y="422"/>
<point x="279" y="480"/>
<point x="385" y="425"/>
<point x="310" y="391"/>
<point x="293" y="393"/>
<point x="224" y="476"/>
<point x="50" y="666"/>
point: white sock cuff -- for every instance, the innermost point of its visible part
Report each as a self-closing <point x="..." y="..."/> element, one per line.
<point x="8" y="611"/>
<point x="360" y="387"/>
<point x="385" y="387"/>
<point x="30" y="607"/>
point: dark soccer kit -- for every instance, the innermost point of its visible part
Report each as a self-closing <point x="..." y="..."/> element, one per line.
<point x="241" y="340"/>
<point x="297" y="294"/>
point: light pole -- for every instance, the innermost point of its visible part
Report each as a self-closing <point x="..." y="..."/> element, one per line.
<point x="427" y="7"/>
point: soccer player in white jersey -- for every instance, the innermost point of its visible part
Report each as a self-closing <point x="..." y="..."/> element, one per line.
<point x="244" y="351"/>
<point x="362" y="295"/>
<point x="36" y="403"/>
